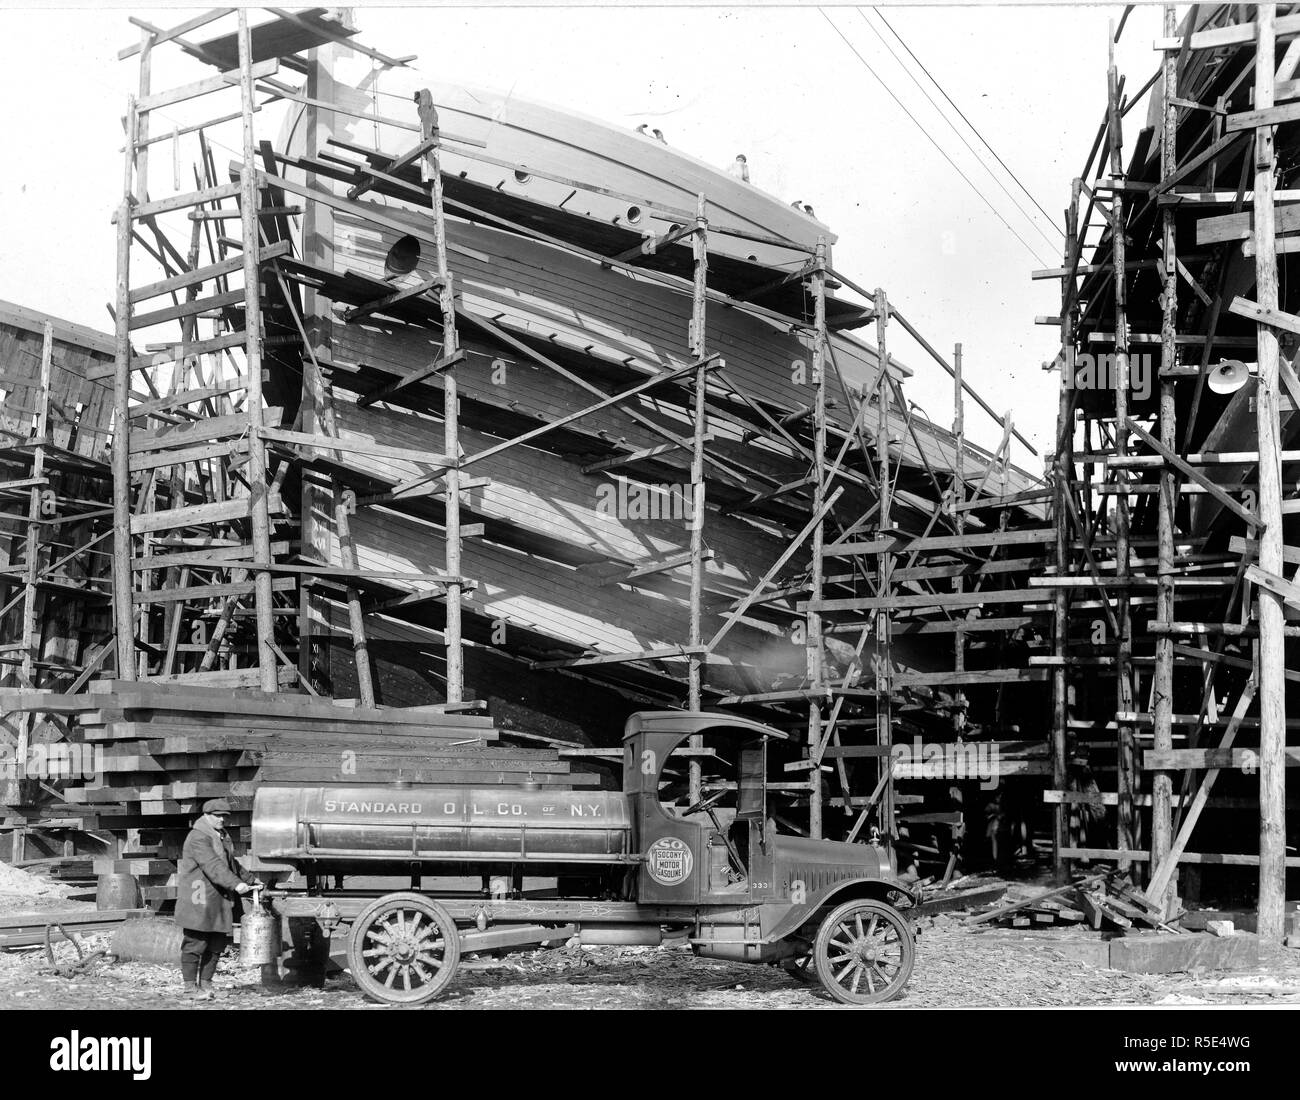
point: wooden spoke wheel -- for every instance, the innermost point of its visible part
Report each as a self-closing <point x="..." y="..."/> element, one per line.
<point x="403" y="949"/>
<point x="864" y="953"/>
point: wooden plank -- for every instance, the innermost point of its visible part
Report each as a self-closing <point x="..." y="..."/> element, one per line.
<point x="970" y="676"/>
<point x="200" y="275"/>
<point x="213" y="427"/>
<point x="193" y="515"/>
<point x="186" y="309"/>
<point x="1204" y="758"/>
<point x="158" y="38"/>
<point x="939" y="599"/>
<point x="1237" y="227"/>
<point x="179" y="400"/>
<point x="1235" y="34"/>
<point x="1243" y="307"/>
<point x="356" y="446"/>
<point x="259" y="70"/>
<point x="187" y="454"/>
<point x="206" y="591"/>
<point x="907" y="544"/>
<point x="1268" y="116"/>
<point x="180" y="202"/>
<point x="1279" y="586"/>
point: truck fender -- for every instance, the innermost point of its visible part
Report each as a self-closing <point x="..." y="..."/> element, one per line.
<point x="877" y="889"/>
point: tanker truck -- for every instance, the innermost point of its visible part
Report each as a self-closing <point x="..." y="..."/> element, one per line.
<point x="630" y="868"/>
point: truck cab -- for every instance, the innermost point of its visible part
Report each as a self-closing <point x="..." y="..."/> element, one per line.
<point x="755" y="888"/>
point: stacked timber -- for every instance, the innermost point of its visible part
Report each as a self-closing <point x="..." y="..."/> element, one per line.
<point x="162" y="750"/>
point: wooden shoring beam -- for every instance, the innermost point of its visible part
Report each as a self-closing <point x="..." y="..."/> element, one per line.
<point x="731" y="617"/>
<point x="410" y="378"/>
<point x="381" y="305"/>
<point x="1193" y="474"/>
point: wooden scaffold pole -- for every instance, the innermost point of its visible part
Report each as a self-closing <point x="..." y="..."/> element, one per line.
<point x="259" y="519"/>
<point x="1163" y="703"/>
<point x="1063" y="471"/>
<point x="813" y="625"/>
<point x="450" y="402"/>
<point x="884" y="573"/>
<point x="1272" y="671"/>
<point x="123" y="612"/>
<point x="1126" y="739"/>
<point x="698" y="344"/>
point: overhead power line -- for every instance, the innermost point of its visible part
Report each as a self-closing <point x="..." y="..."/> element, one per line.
<point x="974" y="128"/>
<point x="930" y="137"/>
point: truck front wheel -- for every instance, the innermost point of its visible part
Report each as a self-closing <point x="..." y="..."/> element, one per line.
<point x="864" y="953"/>
<point x="403" y="949"/>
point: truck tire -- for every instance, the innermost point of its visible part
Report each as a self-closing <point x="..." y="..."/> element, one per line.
<point x="403" y="949"/>
<point x="864" y="952"/>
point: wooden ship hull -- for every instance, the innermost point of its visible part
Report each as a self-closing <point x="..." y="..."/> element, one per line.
<point x="568" y="161"/>
<point x="561" y="576"/>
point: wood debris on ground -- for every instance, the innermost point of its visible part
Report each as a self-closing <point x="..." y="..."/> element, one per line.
<point x="1107" y="901"/>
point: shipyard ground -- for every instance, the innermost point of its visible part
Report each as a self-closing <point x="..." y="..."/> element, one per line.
<point x="955" y="967"/>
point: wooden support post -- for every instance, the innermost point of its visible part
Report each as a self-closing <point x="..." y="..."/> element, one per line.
<point x="1163" y="702"/>
<point x="1272" y="682"/>
<point x="31" y="628"/>
<point x="345" y="503"/>
<point x="699" y="426"/>
<point x="958" y="489"/>
<point x="814" y="661"/>
<point x="1128" y="773"/>
<point x="1063" y="474"/>
<point x="317" y="248"/>
<point x="123" y="615"/>
<point x="260" y="518"/>
<point x="884" y="569"/>
<point x="31" y="574"/>
<point x="431" y="171"/>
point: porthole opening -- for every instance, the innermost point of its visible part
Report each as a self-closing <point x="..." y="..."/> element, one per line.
<point x="403" y="257"/>
<point x="521" y="176"/>
<point x="634" y="214"/>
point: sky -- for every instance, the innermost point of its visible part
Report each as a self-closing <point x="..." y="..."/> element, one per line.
<point x="932" y="218"/>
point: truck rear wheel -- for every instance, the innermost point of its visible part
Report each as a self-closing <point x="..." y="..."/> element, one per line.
<point x="403" y="949"/>
<point x="864" y="953"/>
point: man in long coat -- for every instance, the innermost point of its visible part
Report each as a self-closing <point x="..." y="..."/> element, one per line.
<point x="207" y="883"/>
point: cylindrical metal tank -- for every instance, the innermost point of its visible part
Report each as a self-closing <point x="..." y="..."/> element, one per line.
<point x="440" y="824"/>
<point x="259" y="937"/>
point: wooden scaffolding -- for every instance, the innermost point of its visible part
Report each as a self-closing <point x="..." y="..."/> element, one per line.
<point x="1171" y="513"/>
